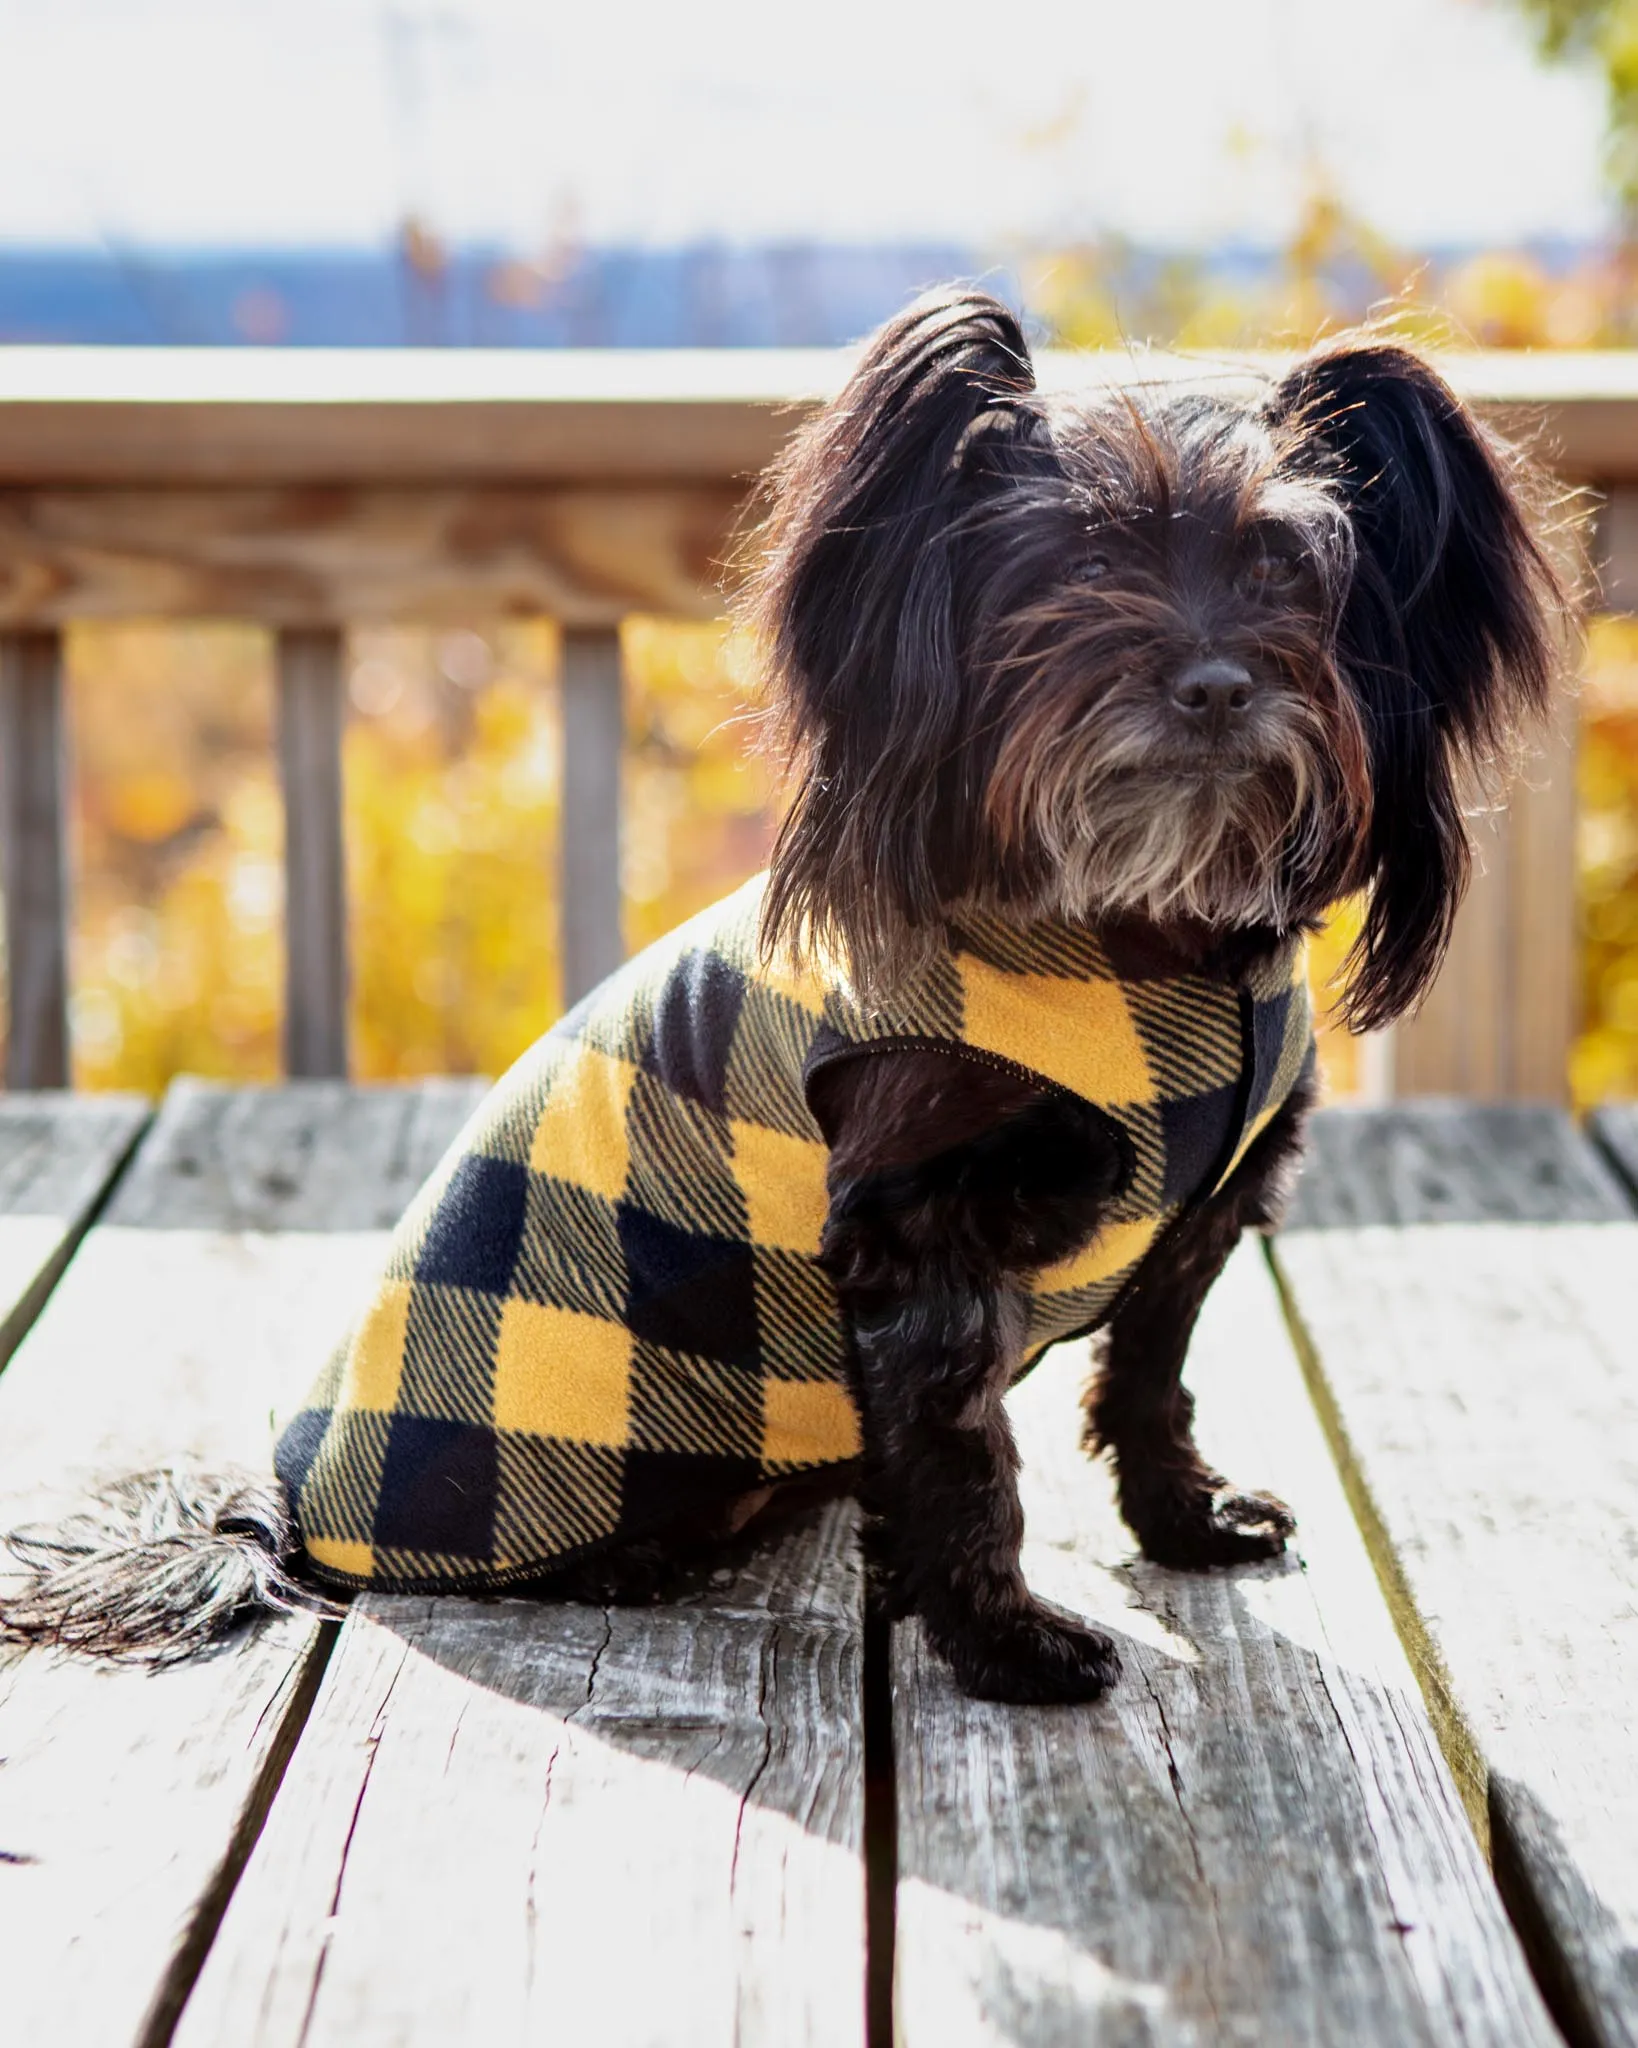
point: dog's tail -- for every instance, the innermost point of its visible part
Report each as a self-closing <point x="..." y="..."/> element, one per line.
<point x="160" y="1566"/>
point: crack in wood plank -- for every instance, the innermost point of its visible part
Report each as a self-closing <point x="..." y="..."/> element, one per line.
<point x="681" y="1782"/>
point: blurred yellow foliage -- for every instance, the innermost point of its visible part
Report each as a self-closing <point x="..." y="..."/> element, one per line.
<point x="701" y="794"/>
<point x="452" y="765"/>
<point x="1605" y="1060"/>
<point x="177" y="954"/>
<point x="1341" y="1068"/>
<point x="1335" y="270"/>
<point x="452" y="771"/>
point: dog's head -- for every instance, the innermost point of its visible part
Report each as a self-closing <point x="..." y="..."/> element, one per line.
<point x="1210" y="657"/>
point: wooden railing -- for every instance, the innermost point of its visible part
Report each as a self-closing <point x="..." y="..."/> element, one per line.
<point x="313" y="490"/>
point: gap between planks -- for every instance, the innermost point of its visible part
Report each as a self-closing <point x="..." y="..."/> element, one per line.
<point x="60" y="1155"/>
<point x="1461" y="1752"/>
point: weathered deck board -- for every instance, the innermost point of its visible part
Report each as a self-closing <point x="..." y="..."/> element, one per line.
<point x="58" y="1154"/>
<point x="1478" y="1362"/>
<point x="511" y="1822"/>
<point x="1253" y="1838"/>
<point x="1437" y="1162"/>
<point x="315" y="1155"/>
<point x="225" y="1265"/>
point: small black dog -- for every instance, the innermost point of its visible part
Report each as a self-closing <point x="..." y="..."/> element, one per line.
<point x="1160" y="657"/>
<point x="1094" y="709"/>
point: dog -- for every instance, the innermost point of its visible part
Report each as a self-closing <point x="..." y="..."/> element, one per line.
<point x="1094" y="707"/>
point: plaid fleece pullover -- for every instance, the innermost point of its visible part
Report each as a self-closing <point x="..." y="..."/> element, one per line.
<point x="606" y="1308"/>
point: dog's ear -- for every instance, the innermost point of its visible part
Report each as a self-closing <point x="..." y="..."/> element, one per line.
<point x="1450" y="635"/>
<point x="853" y="596"/>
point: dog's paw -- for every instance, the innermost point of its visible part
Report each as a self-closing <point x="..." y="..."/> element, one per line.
<point x="1218" y="1528"/>
<point x="1037" y="1657"/>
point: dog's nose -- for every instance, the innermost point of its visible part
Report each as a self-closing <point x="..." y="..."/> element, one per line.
<point x="1213" y="690"/>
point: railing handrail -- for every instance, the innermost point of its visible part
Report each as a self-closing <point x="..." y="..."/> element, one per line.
<point x="157" y="416"/>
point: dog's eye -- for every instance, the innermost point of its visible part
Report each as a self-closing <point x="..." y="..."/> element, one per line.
<point x="1092" y="570"/>
<point x="1272" y="570"/>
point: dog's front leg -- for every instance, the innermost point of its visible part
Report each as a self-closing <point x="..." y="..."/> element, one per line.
<point x="920" y="1242"/>
<point x="939" y="1480"/>
<point x="1182" y="1512"/>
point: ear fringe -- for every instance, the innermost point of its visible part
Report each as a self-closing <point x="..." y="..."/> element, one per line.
<point x="162" y="1566"/>
<point x="1451" y="636"/>
<point x="851" y="593"/>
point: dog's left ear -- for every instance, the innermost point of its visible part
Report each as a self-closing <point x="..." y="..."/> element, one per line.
<point x="1450" y="635"/>
<point x="854" y="595"/>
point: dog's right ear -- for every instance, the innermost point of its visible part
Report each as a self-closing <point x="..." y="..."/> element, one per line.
<point x="852" y="594"/>
<point x="1451" y="634"/>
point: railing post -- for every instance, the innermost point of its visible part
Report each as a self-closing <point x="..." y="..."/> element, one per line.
<point x="1459" y="1042"/>
<point x="34" y="857"/>
<point x="593" y="731"/>
<point x="310" y="712"/>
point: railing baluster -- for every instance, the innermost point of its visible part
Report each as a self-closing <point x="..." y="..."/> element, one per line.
<point x="593" y="729"/>
<point x="1500" y="1023"/>
<point x="315" y="916"/>
<point x="1458" y="1043"/>
<point x="34" y="857"/>
<point x="1545" y="995"/>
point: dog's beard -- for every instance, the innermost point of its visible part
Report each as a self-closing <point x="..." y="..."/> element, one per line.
<point x="1225" y="846"/>
<point x="1222" y="843"/>
<point x="1204" y="847"/>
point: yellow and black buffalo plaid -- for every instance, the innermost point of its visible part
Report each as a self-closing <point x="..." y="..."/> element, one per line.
<point x="605" y="1307"/>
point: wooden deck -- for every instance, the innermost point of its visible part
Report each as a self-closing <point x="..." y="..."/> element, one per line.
<point x="1382" y="1793"/>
